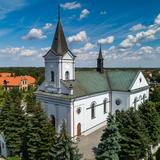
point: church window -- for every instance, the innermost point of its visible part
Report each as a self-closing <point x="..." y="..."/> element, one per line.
<point x="144" y="97"/>
<point x="105" y="106"/>
<point x="118" y="102"/>
<point x="140" y="97"/>
<point x="67" y="75"/>
<point x="140" y="80"/>
<point x="79" y="110"/>
<point x="93" y="111"/>
<point x="135" y="101"/>
<point x="52" y="76"/>
<point x="52" y="120"/>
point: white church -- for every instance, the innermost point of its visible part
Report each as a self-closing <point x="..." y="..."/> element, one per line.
<point x="84" y="98"/>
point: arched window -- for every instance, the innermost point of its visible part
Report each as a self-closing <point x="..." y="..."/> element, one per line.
<point x="67" y="75"/>
<point x="93" y="111"/>
<point x="52" y="76"/>
<point x="105" y="106"/>
<point x="52" y="120"/>
<point x="135" y="102"/>
<point x="140" y="98"/>
<point x="144" y="97"/>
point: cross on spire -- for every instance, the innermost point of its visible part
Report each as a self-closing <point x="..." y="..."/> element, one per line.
<point x="59" y="12"/>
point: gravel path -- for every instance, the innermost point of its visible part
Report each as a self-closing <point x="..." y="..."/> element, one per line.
<point x="88" y="143"/>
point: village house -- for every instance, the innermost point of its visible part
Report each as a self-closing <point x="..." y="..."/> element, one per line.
<point x="9" y="81"/>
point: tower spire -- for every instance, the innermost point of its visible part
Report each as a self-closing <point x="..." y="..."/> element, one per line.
<point x="100" y="61"/>
<point x="100" y="56"/>
<point x="59" y="44"/>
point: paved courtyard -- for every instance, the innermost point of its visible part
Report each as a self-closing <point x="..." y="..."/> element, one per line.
<point x="88" y="143"/>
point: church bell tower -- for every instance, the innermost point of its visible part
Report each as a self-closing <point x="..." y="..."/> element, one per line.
<point x="59" y="62"/>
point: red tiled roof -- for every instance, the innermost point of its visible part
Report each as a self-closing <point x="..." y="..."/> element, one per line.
<point x="5" y="74"/>
<point x="16" y="81"/>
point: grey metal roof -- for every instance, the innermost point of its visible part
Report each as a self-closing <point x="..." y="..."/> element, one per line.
<point x="59" y="44"/>
<point x="90" y="81"/>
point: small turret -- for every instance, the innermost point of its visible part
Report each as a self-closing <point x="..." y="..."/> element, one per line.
<point x="100" y="61"/>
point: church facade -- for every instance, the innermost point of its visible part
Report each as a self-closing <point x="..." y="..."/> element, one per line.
<point x="84" y="98"/>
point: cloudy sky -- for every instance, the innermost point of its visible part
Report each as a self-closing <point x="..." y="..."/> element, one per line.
<point x="129" y="31"/>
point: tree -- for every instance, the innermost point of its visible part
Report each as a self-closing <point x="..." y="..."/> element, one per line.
<point x="64" y="148"/>
<point x="14" y="158"/>
<point x="155" y="96"/>
<point x="109" y="146"/>
<point x="2" y="97"/>
<point x="39" y="135"/>
<point x="16" y="96"/>
<point x="12" y="124"/>
<point x="134" y="135"/>
<point x="151" y="119"/>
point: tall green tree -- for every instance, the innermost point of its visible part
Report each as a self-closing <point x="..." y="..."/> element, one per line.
<point x="2" y="97"/>
<point x="155" y="96"/>
<point x="64" y="148"/>
<point x="12" y="124"/>
<point x="16" y="96"/>
<point x="39" y="135"/>
<point x="151" y="119"/>
<point x="109" y="146"/>
<point x="134" y="140"/>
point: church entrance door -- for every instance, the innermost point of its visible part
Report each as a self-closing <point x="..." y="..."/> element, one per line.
<point x="79" y="129"/>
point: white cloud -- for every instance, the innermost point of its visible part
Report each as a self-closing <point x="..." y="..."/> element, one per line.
<point x="157" y="20"/>
<point x="146" y="50"/>
<point x="71" y="5"/>
<point x="34" y="34"/>
<point x="11" y="51"/>
<point x="27" y="52"/>
<point x="137" y="27"/>
<point x="87" y="47"/>
<point x="103" y="12"/>
<point x="149" y="34"/>
<point x="23" y="51"/>
<point x="18" y="51"/>
<point x="8" y="6"/>
<point x="128" y="42"/>
<point x="79" y="37"/>
<point x="84" y="13"/>
<point x="108" y="40"/>
<point x="48" y="26"/>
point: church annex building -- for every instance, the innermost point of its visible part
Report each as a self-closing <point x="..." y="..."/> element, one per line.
<point x="84" y="98"/>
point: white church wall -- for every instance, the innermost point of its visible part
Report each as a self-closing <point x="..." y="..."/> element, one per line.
<point x="123" y="98"/>
<point x="88" y="124"/>
<point x="51" y="64"/>
<point x="68" y="65"/>
<point x="57" y="108"/>
<point x="139" y="95"/>
<point x="139" y="82"/>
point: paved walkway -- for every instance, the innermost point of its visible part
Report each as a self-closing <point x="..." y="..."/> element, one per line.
<point x="88" y="143"/>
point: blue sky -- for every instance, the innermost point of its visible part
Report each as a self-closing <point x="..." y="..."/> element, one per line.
<point x="129" y="31"/>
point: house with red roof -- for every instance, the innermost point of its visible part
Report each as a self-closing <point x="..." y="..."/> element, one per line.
<point x="22" y="82"/>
